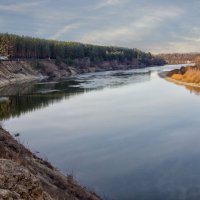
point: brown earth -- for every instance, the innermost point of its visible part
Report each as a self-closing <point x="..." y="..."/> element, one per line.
<point x="14" y="71"/>
<point x="24" y="176"/>
<point x="28" y="70"/>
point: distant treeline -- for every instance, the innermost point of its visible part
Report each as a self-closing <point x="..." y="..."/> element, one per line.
<point x="178" y="58"/>
<point x="16" y="47"/>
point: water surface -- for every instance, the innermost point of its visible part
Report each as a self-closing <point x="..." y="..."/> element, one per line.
<point x="124" y="134"/>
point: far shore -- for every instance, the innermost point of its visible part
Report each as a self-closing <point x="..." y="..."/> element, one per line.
<point x="20" y="71"/>
<point x="164" y="75"/>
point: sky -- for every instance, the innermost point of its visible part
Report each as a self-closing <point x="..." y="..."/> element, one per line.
<point x="158" y="26"/>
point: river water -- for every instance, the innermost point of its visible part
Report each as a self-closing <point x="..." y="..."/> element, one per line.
<point x="124" y="134"/>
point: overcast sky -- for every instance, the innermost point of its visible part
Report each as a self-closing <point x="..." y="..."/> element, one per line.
<point x="150" y="25"/>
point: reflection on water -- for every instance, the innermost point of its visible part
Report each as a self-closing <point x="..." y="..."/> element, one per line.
<point x="38" y="96"/>
<point x="195" y="90"/>
<point x="126" y="135"/>
<point x="17" y="105"/>
<point x="28" y="97"/>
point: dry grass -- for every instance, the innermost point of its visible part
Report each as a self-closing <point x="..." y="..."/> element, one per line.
<point x="177" y="77"/>
<point x="192" y="75"/>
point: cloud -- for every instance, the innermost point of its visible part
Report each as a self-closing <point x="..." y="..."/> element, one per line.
<point x="64" y="30"/>
<point x="183" y="46"/>
<point x="111" y="2"/>
<point x="150" y="25"/>
<point x="19" y="7"/>
<point x="191" y="39"/>
<point x="135" y="30"/>
<point x="108" y="3"/>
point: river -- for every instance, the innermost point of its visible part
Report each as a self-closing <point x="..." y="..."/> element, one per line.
<point x="124" y="134"/>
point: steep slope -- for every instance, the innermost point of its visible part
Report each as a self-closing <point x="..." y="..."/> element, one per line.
<point x="14" y="71"/>
<point x="25" y="176"/>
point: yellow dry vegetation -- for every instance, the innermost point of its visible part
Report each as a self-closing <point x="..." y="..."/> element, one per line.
<point x="190" y="76"/>
<point x="177" y="77"/>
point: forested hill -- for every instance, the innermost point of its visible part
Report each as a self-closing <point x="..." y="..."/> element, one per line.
<point x="178" y="58"/>
<point x="21" y="47"/>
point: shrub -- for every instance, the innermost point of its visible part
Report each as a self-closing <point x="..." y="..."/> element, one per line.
<point x="177" y="77"/>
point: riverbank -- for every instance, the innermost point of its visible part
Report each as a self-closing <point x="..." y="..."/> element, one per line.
<point x="186" y="76"/>
<point x="182" y="83"/>
<point x="17" y="80"/>
<point x="25" y="176"/>
<point x="14" y="71"/>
